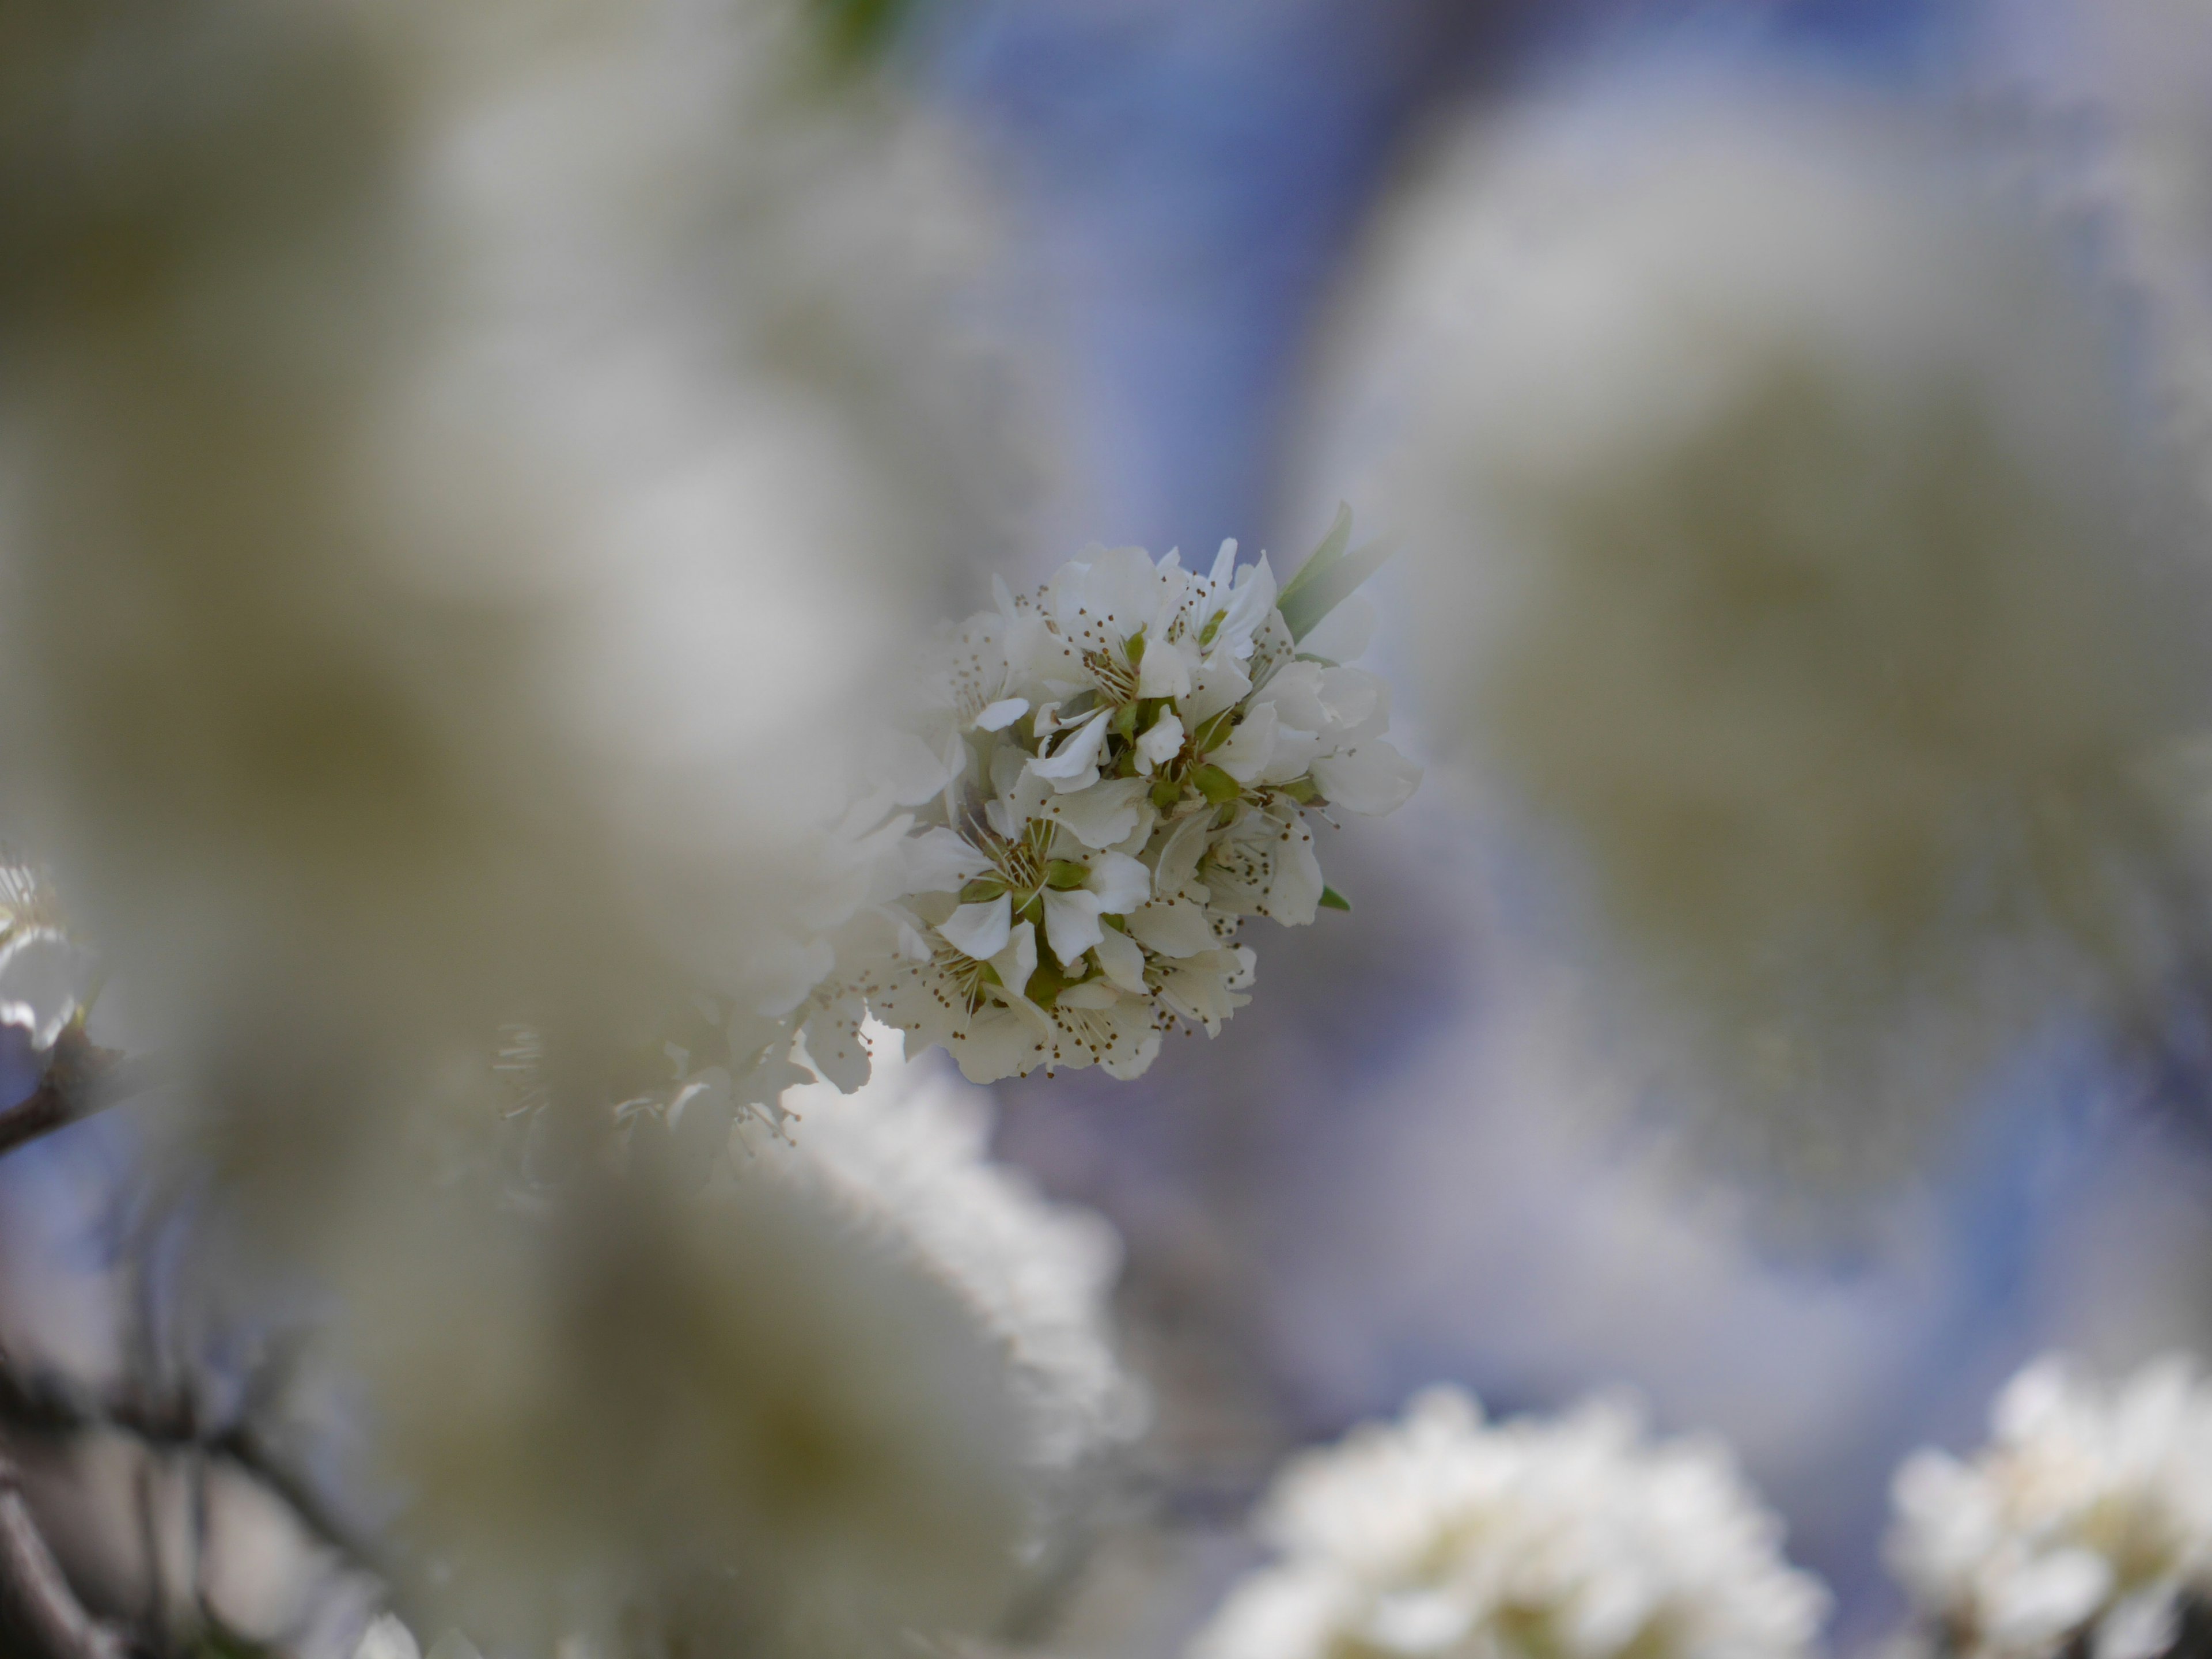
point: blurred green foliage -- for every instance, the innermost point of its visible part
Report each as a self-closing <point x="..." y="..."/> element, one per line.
<point x="859" y="32"/>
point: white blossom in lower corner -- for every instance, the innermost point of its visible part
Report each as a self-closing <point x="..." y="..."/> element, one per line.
<point x="1445" y="1535"/>
<point x="2087" y="1518"/>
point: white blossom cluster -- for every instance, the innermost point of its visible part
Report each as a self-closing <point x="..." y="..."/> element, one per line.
<point x="1114" y="772"/>
<point x="2087" y="1519"/>
<point x="1578" y="1537"/>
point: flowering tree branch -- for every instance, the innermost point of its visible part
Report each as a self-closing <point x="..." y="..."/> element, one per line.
<point x="80" y="1079"/>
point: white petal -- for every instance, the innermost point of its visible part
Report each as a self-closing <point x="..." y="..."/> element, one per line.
<point x="1251" y="743"/>
<point x="1372" y="778"/>
<point x="1122" y="958"/>
<point x="939" y="861"/>
<point x="996" y="1044"/>
<point x="1018" y="962"/>
<point x="834" y="1047"/>
<point x="908" y="768"/>
<point x="1161" y="745"/>
<point x="1074" y="764"/>
<point x="1172" y="927"/>
<point x="1071" y="924"/>
<point x="1296" y="894"/>
<point x="979" y="930"/>
<point x="1092" y="993"/>
<point x="1179" y="856"/>
<point x="1165" y="672"/>
<point x="1295" y="751"/>
<point x="1250" y="604"/>
<point x="1002" y="714"/>
<point x="1220" y="684"/>
<point x="1225" y="566"/>
<point x="1121" y="882"/>
<point x="1102" y="815"/>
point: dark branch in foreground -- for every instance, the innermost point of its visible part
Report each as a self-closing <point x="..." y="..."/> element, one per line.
<point x="80" y="1079"/>
<point x="37" y="1595"/>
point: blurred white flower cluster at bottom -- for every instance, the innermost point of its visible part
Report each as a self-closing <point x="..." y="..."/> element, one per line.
<point x="1447" y="1535"/>
<point x="2087" y="1519"/>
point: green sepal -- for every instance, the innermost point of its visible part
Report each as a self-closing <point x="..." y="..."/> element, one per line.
<point x="1124" y="723"/>
<point x="1301" y="790"/>
<point x="1330" y="576"/>
<point x="982" y="890"/>
<point x="1046" y="983"/>
<point x="1332" y="900"/>
<point x="1061" y="874"/>
<point x="1215" y="785"/>
<point x="1211" y="732"/>
<point x="1166" y="792"/>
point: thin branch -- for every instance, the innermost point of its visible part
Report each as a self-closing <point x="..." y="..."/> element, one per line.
<point x="48" y="1405"/>
<point x="80" y="1079"/>
<point x="31" y="1581"/>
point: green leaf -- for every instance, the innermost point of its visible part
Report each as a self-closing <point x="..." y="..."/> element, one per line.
<point x="858" y="31"/>
<point x="1332" y="900"/>
<point x="1323" y="558"/>
<point x="1331" y="576"/>
<point x="1215" y="785"/>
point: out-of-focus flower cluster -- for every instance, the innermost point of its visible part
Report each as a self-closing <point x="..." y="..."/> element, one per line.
<point x="859" y="1385"/>
<point x="1117" y="771"/>
<point x="1790" y="571"/>
<point x="2088" y="1519"/>
<point x="1443" y="1535"/>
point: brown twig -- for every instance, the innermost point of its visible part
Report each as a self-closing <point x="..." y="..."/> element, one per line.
<point x="37" y="1594"/>
<point x="80" y="1079"/>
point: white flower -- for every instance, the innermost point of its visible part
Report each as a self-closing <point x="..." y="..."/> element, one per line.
<point x="1143" y="748"/>
<point x="2089" y="1515"/>
<point x="755" y="1413"/>
<point x="907" y="1157"/>
<point x="1444" y="1535"/>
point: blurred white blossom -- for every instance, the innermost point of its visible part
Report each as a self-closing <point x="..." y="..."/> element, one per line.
<point x="457" y="468"/>
<point x="2087" y="1518"/>
<point x="1446" y="1535"/>
<point x="906" y="1157"/>
<point x="1786" y="571"/>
